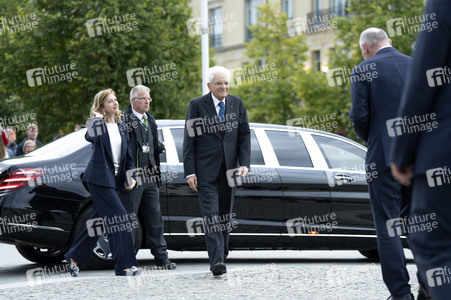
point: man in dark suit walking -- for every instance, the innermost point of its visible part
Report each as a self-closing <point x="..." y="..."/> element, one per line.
<point x="145" y="149"/>
<point x="423" y="158"/>
<point x="376" y="86"/>
<point x="216" y="145"/>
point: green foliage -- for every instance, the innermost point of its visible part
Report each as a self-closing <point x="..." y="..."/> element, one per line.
<point x="347" y="54"/>
<point x="61" y="37"/>
<point x="271" y="100"/>
<point x="299" y="93"/>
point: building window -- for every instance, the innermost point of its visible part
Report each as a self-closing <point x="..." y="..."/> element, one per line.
<point x="251" y="16"/>
<point x="338" y="7"/>
<point x="316" y="7"/>
<point x="316" y="60"/>
<point x="288" y="7"/>
<point x="216" y="27"/>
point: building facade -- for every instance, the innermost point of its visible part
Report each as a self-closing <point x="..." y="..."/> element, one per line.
<point x="230" y="21"/>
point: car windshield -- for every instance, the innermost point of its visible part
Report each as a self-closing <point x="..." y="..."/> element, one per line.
<point x="62" y="146"/>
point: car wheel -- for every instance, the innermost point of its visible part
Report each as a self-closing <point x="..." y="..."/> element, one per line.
<point x="41" y="255"/>
<point x="101" y="257"/>
<point x="371" y="254"/>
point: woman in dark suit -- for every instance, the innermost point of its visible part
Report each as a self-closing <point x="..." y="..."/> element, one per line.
<point x="104" y="176"/>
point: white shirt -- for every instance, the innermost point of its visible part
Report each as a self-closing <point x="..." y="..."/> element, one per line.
<point x="139" y="116"/>
<point x="216" y="102"/>
<point x="387" y="46"/>
<point x="116" y="142"/>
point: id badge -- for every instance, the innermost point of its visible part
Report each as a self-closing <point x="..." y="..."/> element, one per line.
<point x="145" y="148"/>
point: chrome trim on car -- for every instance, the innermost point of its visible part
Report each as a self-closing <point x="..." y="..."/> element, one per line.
<point x="285" y="234"/>
<point x="314" y="151"/>
<point x="169" y="144"/>
<point x="34" y="226"/>
<point x="269" y="156"/>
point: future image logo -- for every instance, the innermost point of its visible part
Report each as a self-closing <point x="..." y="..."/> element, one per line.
<point x="438" y="176"/>
<point x="195" y="127"/>
<point x="438" y="276"/>
<point x="411" y="25"/>
<point x="411" y="124"/>
<point x="151" y="74"/>
<point x="51" y="75"/>
<point x="411" y="224"/>
<point x="438" y="76"/>
<point x="395" y="227"/>
<point x="102" y="26"/>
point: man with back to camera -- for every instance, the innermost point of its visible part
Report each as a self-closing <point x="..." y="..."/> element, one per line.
<point x="213" y="154"/>
<point x="376" y="87"/>
<point x="145" y="151"/>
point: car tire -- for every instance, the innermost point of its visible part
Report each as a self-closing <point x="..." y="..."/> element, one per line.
<point x="101" y="257"/>
<point x="371" y="254"/>
<point x="41" y="255"/>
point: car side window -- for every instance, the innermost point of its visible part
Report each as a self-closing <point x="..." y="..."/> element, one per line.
<point x="161" y="139"/>
<point x="341" y="155"/>
<point x="256" y="152"/>
<point x="177" y="135"/>
<point x="289" y="148"/>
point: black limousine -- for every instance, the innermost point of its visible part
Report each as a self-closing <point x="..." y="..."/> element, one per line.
<point x="307" y="189"/>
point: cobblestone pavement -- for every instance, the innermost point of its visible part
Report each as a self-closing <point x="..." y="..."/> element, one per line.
<point x="254" y="281"/>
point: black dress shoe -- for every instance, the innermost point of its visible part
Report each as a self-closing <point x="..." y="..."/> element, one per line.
<point x="167" y="265"/>
<point x="423" y="293"/>
<point x="218" y="269"/>
<point x="405" y="297"/>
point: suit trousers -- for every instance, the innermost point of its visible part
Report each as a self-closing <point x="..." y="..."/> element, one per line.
<point x="432" y="248"/>
<point x="390" y="200"/>
<point x="146" y="199"/>
<point x="109" y="208"/>
<point x="216" y="199"/>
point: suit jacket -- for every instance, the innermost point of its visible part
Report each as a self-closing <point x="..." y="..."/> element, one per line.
<point x="136" y="140"/>
<point x="203" y="153"/>
<point x="428" y="92"/>
<point x="100" y="169"/>
<point x="376" y="100"/>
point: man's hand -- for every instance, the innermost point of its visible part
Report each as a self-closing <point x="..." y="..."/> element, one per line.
<point x="192" y="182"/>
<point x="243" y="171"/>
<point x="402" y="174"/>
<point x="129" y="188"/>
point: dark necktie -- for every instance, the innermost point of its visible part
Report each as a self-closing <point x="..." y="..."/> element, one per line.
<point x="221" y="111"/>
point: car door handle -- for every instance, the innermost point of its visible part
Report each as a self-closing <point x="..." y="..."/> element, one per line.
<point x="344" y="178"/>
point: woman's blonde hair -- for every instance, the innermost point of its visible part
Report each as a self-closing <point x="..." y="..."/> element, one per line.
<point x="99" y="100"/>
<point x="28" y="142"/>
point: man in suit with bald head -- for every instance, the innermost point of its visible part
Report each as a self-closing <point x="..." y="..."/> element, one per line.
<point x="376" y="88"/>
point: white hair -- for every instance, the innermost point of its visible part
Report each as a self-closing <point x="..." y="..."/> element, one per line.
<point x="373" y="36"/>
<point x="215" y="70"/>
<point x="137" y="89"/>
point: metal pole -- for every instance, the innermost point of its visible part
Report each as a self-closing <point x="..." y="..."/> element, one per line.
<point x="205" y="46"/>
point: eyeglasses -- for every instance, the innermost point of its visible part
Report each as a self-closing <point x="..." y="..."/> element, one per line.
<point x="218" y="84"/>
<point x="144" y="99"/>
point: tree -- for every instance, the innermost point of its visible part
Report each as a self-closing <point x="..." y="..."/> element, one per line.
<point x="308" y="94"/>
<point x="346" y="55"/>
<point x="266" y="83"/>
<point x="143" y="35"/>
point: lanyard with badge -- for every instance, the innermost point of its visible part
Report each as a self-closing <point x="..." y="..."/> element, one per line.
<point x="146" y="148"/>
